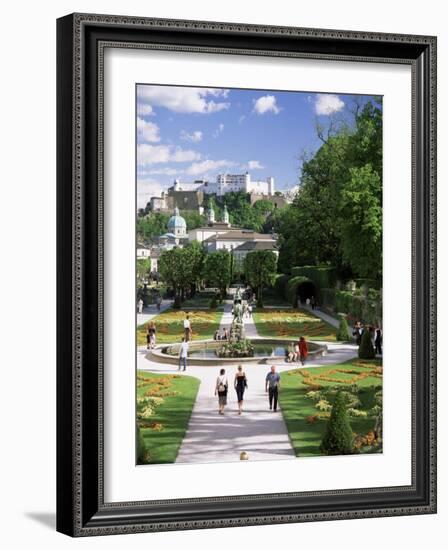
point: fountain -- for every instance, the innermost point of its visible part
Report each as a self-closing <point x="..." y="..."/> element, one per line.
<point x="238" y="349"/>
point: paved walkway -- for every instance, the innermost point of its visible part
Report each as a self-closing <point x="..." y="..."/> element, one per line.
<point x="211" y="437"/>
<point x="151" y="311"/>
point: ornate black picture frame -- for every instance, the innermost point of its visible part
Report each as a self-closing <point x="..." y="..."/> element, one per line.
<point x="81" y="39"/>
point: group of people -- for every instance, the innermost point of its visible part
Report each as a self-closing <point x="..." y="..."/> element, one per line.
<point x="297" y="351"/>
<point x="218" y="335"/>
<point x="272" y="386"/>
<point x="376" y="335"/>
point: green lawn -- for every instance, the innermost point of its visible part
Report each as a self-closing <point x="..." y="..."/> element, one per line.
<point x="169" y="326"/>
<point x="164" y="429"/>
<point x="292" y="324"/>
<point x="305" y="422"/>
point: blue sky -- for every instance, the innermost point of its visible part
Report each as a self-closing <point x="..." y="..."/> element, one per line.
<point x="193" y="133"/>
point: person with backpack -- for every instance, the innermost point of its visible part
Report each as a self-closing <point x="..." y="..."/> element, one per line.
<point x="221" y="388"/>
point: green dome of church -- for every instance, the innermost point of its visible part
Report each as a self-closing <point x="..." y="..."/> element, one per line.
<point x="177" y="224"/>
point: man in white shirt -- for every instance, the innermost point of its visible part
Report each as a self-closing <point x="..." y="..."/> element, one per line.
<point x="183" y="354"/>
<point x="187" y="328"/>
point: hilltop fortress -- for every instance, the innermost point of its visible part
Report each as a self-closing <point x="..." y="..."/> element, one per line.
<point x="190" y="196"/>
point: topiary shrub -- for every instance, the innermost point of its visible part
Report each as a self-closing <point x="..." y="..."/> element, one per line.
<point x="142" y="452"/>
<point x="338" y="438"/>
<point x="343" y="333"/>
<point x="366" y="349"/>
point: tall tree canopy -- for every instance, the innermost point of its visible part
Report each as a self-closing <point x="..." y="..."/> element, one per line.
<point x="260" y="268"/>
<point x="336" y="217"/>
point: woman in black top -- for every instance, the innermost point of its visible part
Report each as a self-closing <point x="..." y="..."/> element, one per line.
<point x="240" y="386"/>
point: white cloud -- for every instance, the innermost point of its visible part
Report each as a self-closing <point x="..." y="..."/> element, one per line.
<point x="147" y="188"/>
<point x="166" y="171"/>
<point x="241" y="119"/>
<point x="144" y="109"/>
<point x="219" y="130"/>
<point x="194" y="136"/>
<point x="199" y="168"/>
<point x="147" y="131"/>
<point x="327" y="104"/>
<point x="266" y="104"/>
<point x="152" y="154"/>
<point x="254" y="165"/>
<point x="183" y="99"/>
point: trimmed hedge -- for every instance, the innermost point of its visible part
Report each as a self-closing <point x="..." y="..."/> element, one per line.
<point x="321" y="276"/>
<point x="292" y="286"/>
<point x="281" y="281"/>
<point x="356" y="305"/>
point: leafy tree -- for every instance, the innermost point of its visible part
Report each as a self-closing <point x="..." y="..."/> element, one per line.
<point x="366" y="349"/>
<point x="260" y="269"/>
<point x="153" y="225"/>
<point x="193" y="219"/>
<point x="143" y="269"/>
<point x="343" y="333"/>
<point x="335" y="217"/>
<point x="338" y="438"/>
<point x="361" y="222"/>
<point x="217" y="270"/>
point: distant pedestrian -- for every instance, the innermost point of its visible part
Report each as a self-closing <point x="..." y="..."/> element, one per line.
<point x="296" y="351"/>
<point x="140" y="306"/>
<point x="313" y="302"/>
<point x="379" y="341"/>
<point x="225" y="335"/>
<point x="183" y="355"/>
<point x="308" y="301"/>
<point x="272" y="387"/>
<point x="159" y="302"/>
<point x="240" y="387"/>
<point x="249" y="310"/>
<point x="303" y="350"/>
<point x="187" y="328"/>
<point x="357" y="333"/>
<point x="151" y="335"/>
<point x="216" y="336"/>
<point x="221" y="389"/>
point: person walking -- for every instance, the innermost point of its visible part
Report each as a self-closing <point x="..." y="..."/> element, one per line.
<point x="313" y="302"/>
<point x="183" y="354"/>
<point x="249" y="311"/>
<point x="221" y="388"/>
<point x="272" y="387"/>
<point x="225" y="334"/>
<point x="378" y="341"/>
<point x="159" y="302"/>
<point x="187" y="328"/>
<point x="240" y="384"/>
<point x="151" y="335"/>
<point x="303" y="350"/>
<point x="140" y="306"/>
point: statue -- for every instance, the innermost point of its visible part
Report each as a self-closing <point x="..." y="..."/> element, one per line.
<point x="238" y="313"/>
<point x="238" y="295"/>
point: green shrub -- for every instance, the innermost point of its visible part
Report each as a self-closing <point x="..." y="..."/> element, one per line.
<point x="177" y="304"/>
<point x="343" y="333"/>
<point x="338" y="438"/>
<point x="366" y="349"/>
<point x="142" y="453"/>
<point x="321" y="276"/>
<point x="281" y="281"/>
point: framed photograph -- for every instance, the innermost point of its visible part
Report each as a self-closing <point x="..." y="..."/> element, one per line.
<point x="246" y="274"/>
